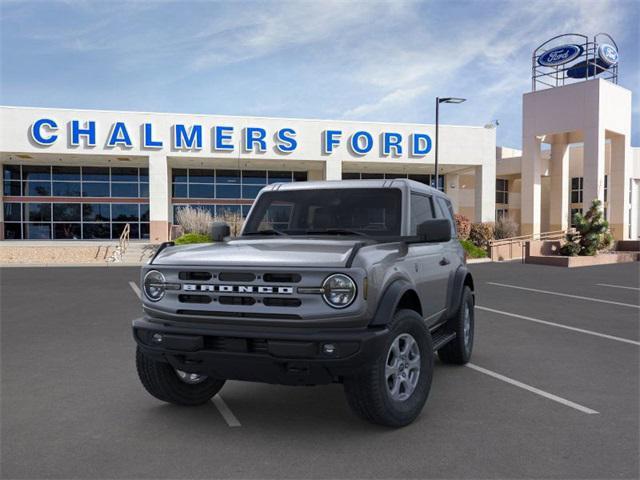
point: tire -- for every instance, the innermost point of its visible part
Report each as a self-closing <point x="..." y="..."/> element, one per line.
<point x="163" y="382"/>
<point x="458" y="351"/>
<point x="368" y="393"/>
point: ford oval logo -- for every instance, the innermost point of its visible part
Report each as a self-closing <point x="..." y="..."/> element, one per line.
<point x="560" y="55"/>
<point x="608" y="54"/>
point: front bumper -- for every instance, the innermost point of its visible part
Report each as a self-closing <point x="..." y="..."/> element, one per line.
<point x="298" y="356"/>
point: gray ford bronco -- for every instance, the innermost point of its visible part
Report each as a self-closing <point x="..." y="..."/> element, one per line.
<point x="357" y="282"/>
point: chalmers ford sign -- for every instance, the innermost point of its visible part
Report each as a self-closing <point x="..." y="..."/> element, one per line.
<point x="45" y="132"/>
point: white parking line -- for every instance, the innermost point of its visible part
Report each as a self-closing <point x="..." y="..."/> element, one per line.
<point x="225" y="411"/>
<point x="591" y="299"/>
<point x="136" y="289"/>
<point x="617" y="286"/>
<point x="535" y="390"/>
<point x="566" y="327"/>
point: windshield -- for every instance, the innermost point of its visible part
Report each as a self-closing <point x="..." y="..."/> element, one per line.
<point x="340" y="211"/>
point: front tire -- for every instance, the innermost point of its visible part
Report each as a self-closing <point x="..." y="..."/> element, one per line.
<point x="173" y="386"/>
<point x="393" y="389"/>
<point x="458" y="351"/>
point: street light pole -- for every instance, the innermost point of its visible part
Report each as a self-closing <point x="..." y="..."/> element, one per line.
<point x="438" y="102"/>
<point x="437" y="142"/>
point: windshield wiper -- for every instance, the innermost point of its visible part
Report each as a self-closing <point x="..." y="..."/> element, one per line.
<point x="267" y="231"/>
<point x="336" y="231"/>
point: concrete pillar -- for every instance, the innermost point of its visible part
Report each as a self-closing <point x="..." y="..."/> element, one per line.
<point x="333" y="169"/>
<point x="531" y="186"/>
<point x="452" y="189"/>
<point x="485" y="192"/>
<point x="159" y="197"/>
<point x="559" y="195"/>
<point x="618" y="188"/>
<point x="593" y="167"/>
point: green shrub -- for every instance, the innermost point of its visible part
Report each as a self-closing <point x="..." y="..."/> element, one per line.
<point x="463" y="226"/>
<point x="482" y="233"/>
<point x="472" y="250"/>
<point x="591" y="235"/>
<point x="188" y="238"/>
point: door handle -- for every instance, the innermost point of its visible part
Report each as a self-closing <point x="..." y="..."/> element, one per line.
<point x="444" y="261"/>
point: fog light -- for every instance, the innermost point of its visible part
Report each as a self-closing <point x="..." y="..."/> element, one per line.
<point x="157" y="338"/>
<point x="329" y="348"/>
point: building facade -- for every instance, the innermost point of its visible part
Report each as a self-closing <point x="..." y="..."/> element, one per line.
<point x="85" y="174"/>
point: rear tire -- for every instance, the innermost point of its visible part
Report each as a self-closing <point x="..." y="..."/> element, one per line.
<point x="458" y="351"/>
<point x="380" y="393"/>
<point x="163" y="382"/>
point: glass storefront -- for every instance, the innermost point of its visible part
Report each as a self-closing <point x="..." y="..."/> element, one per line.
<point x="426" y="179"/>
<point x="209" y="188"/>
<point x="114" y="197"/>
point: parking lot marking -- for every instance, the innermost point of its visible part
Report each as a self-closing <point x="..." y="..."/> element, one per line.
<point x="544" y="322"/>
<point x="136" y="289"/>
<point x="611" y="302"/>
<point x="225" y="411"/>
<point x="535" y="390"/>
<point x="617" y="286"/>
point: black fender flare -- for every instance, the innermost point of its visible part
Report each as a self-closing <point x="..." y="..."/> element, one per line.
<point x="389" y="301"/>
<point x="456" y="287"/>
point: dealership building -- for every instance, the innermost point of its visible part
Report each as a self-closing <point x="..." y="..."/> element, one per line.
<point x="86" y="174"/>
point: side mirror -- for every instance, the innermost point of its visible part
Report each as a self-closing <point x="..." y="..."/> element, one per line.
<point x="436" y="230"/>
<point x="219" y="231"/>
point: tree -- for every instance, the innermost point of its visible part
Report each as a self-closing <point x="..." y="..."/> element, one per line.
<point x="591" y="235"/>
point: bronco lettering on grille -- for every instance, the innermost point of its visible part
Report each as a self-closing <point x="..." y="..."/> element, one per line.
<point x="261" y="289"/>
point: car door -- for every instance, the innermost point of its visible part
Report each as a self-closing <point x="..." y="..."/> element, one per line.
<point x="430" y="275"/>
<point x="451" y="249"/>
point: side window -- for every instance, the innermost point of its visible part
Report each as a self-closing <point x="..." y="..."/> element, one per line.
<point x="446" y="211"/>
<point x="421" y="210"/>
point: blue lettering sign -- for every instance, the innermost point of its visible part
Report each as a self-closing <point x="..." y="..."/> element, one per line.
<point x="186" y="139"/>
<point x="391" y="140"/>
<point x="147" y="137"/>
<point x="119" y="136"/>
<point x="357" y="146"/>
<point x="89" y="131"/>
<point x="222" y="137"/>
<point x="420" y="144"/>
<point x="255" y="136"/>
<point x="330" y="140"/>
<point x="37" y="134"/>
<point x="286" y="140"/>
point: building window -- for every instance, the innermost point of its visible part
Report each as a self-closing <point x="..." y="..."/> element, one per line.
<point x="502" y="190"/>
<point x="606" y="187"/>
<point x="502" y="213"/>
<point x="426" y="178"/>
<point x="209" y="184"/>
<point x="65" y="214"/>
<point x="63" y="181"/>
<point x="576" y="190"/>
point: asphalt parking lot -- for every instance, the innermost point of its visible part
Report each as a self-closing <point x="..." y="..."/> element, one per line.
<point x="552" y="391"/>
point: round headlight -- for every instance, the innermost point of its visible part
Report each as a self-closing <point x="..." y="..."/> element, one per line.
<point x="339" y="290"/>
<point x="154" y="285"/>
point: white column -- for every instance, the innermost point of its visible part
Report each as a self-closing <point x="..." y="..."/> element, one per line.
<point x="485" y="192"/>
<point x="531" y="186"/>
<point x="333" y="169"/>
<point x="559" y="205"/>
<point x="618" y="188"/>
<point x="593" y="167"/>
<point x="452" y="189"/>
<point x="159" y="197"/>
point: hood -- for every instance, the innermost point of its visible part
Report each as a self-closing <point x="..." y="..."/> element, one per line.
<point x="272" y="252"/>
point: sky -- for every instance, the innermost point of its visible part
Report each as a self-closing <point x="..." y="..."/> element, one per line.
<point x="344" y="60"/>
